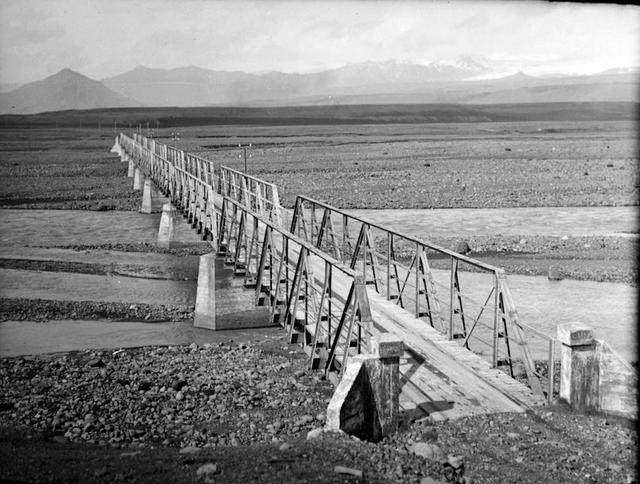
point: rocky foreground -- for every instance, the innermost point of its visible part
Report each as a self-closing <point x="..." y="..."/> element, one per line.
<point x="232" y="412"/>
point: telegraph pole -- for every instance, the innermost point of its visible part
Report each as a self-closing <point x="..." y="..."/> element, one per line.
<point x="244" y="154"/>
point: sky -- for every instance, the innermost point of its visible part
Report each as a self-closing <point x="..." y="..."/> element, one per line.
<point x="103" y="38"/>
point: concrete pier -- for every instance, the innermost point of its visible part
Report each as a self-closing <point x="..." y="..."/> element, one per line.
<point x="205" y="314"/>
<point x="138" y="179"/>
<point x="167" y="230"/>
<point x="116" y="148"/>
<point x="152" y="200"/>
<point x="131" y="168"/>
<point x="222" y="300"/>
<point x="175" y="232"/>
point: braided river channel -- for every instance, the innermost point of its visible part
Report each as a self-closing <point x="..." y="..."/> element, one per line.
<point x="609" y="308"/>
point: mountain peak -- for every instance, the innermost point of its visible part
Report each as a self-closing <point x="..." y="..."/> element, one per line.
<point x="520" y="76"/>
<point x="67" y="89"/>
<point x="68" y="73"/>
<point x="463" y="63"/>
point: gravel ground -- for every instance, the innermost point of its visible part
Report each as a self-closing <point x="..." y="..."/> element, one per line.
<point x="20" y="309"/>
<point x="197" y="249"/>
<point x="243" y="412"/>
<point x="589" y="258"/>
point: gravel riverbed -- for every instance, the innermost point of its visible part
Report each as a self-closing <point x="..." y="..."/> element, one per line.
<point x="240" y="412"/>
<point x="249" y="412"/>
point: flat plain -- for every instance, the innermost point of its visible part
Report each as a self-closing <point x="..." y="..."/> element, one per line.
<point x="448" y="165"/>
<point x="51" y="430"/>
<point x="391" y="166"/>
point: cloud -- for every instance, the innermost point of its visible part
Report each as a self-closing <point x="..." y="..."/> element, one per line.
<point x="101" y="38"/>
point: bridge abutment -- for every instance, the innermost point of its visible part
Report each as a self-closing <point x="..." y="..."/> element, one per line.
<point x="593" y="377"/>
<point x="366" y="401"/>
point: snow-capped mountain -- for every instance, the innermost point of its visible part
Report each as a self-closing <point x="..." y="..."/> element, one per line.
<point x="462" y="66"/>
<point x="464" y="80"/>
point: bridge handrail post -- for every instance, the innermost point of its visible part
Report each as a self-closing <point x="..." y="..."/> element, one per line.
<point x="451" y="294"/>
<point x="276" y="205"/>
<point x="364" y="310"/>
<point x="551" y="369"/>
<point x="389" y="250"/>
<point x="512" y="318"/>
<point x="417" y="278"/>
<point x="496" y="315"/>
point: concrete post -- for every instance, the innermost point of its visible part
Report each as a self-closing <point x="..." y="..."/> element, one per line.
<point x="388" y="348"/>
<point x="166" y="232"/>
<point x="579" y="371"/>
<point x="365" y="402"/>
<point x="138" y="179"/>
<point x="131" y="168"/>
<point x="205" y="314"/>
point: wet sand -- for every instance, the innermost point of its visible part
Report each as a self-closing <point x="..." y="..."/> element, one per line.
<point x="66" y="286"/>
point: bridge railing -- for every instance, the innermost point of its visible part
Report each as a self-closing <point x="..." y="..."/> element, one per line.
<point x="190" y="171"/>
<point x="321" y="302"/>
<point x="467" y="299"/>
<point x="260" y="196"/>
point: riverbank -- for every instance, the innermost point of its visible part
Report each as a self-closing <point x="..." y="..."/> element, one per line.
<point x="242" y="412"/>
<point x="597" y="258"/>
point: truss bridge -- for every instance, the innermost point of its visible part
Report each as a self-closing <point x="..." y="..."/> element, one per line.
<point x="332" y="280"/>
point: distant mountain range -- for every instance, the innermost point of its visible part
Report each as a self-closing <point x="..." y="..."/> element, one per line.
<point x="65" y="90"/>
<point x="464" y="81"/>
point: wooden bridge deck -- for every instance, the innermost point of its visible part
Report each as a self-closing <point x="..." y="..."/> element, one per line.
<point x="441" y="378"/>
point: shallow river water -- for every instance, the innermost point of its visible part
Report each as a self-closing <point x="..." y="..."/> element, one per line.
<point x="610" y="308"/>
<point x="552" y="221"/>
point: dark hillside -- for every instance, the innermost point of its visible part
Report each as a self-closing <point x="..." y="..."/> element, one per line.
<point x="317" y="115"/>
